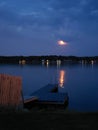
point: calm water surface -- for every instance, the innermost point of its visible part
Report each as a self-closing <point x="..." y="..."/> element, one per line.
<point x="80" y="81"/>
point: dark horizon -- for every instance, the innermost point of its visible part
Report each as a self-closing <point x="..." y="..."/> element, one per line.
<point x="46" y="56"/>
<point x="53" y="59"/>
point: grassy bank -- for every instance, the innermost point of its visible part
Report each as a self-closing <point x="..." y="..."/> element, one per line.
<point x="48" y="120"/>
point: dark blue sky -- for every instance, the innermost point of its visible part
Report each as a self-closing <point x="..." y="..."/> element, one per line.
<point x="33" y="27"/>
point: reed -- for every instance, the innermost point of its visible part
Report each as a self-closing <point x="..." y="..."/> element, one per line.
<point x="10" y="90"/>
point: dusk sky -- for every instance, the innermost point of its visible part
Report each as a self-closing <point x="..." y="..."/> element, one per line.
<point x="34" y="27"/>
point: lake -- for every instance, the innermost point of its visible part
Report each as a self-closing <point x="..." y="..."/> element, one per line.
<point x="79" y="80"/>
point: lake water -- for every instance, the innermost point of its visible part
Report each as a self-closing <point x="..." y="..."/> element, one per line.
<point x="80" y="81"/>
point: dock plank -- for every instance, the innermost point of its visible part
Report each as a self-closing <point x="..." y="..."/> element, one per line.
<point x="48" y="95"/>
<point x="52" y="97"/>
<point x="46" y="89"/>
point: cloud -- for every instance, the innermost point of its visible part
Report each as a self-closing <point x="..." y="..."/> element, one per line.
<point x="43" y="22"/>
<point x="94" y="12"/>
<point x="84" y="2"/>
<point x="53" y="13"/>
<point x="33" y="13"/>
<point x="63" y="18"/>
<point x="3" y="3"/>
<point x="56" y="15"/>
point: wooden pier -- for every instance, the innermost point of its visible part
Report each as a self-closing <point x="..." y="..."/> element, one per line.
<point x="47" y="96"/>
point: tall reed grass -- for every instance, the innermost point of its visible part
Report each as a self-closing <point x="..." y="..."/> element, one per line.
<point x="10" y="90"/>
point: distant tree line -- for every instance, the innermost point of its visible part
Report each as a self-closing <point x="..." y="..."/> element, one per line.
<point x="51" y="58"/>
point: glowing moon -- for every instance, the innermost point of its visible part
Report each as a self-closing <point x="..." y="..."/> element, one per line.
<point x="61" y="42"/>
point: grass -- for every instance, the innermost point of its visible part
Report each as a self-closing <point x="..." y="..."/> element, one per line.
<point x="48" y="120"/>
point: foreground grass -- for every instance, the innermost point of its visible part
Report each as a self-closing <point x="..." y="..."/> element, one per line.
<point x="48" y="120"/>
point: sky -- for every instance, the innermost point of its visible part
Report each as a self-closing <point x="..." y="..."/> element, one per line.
<point x="34" y="27"/>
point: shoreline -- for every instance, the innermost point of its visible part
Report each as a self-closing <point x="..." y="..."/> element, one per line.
<point x="49" y="120"/>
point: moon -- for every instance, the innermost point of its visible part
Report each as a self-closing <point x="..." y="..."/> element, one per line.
<point x="62" y="43"/>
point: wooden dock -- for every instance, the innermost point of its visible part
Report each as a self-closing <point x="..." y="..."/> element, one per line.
<point x="47" y="96"/>
<point x="29" y="101"/>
